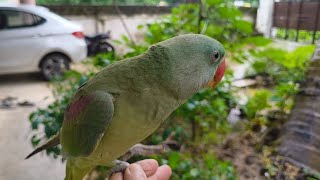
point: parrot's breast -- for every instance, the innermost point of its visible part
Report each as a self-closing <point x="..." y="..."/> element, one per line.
<point x="135" y="118"/>
<point x="141" y="87"/>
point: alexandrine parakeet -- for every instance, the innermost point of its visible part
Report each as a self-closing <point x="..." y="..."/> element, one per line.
<point x="128" y="100"/>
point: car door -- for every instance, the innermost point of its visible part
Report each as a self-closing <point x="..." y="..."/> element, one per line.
<point x="20" y="40"/>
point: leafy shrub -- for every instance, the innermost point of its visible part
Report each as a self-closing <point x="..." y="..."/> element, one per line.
<point x="283" y="95"/>
<point x="206" y="167"/>
<point x="304" y="36"/>
<point x="256" y="104"/>
<point x="285" y="70"/>
<point x="281" y="65"/>
<point x="208" y="111"/>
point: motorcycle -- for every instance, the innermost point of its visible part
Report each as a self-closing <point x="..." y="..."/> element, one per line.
<point x="98" y="44"/>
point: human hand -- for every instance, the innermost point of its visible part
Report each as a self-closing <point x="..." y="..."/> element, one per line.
<point x="144" y="170"/>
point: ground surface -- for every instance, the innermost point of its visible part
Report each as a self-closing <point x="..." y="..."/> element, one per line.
<point x="15" y="131"/>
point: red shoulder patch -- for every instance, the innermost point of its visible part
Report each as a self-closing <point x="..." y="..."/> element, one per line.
<point x="74" y="109"/>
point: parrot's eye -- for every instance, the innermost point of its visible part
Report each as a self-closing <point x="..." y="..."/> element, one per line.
<point x="215" y="55"/>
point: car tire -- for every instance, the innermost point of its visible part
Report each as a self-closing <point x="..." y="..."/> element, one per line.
<point x="106" y="47"/>
<point x="54" y="65"/>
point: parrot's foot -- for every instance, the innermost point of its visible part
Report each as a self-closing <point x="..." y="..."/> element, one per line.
<point x="119" y="167"/>
<point x="145" y="150"/>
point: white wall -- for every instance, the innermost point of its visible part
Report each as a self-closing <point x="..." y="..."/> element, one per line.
<point x="264" y="17"/>
<point x="10" y="1"/>
<point x="112" y="23"/>
<point x="19" y="1"/>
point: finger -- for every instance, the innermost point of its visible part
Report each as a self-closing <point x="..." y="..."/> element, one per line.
<point x="163" y="173"/>
<point x="134" y="172"/>
<point x="116" y="176"/>
<point x="149" y="166"/>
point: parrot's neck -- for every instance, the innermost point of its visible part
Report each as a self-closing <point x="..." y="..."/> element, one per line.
<point x="186" y="78"/>
<point x="174" y="79"/>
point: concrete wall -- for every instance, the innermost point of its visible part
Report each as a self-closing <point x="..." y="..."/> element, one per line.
<point x="98" y="19"/>
<point x="105" y="23"/>
<point x="264" y="17"/>
<point x="111" y="23"/>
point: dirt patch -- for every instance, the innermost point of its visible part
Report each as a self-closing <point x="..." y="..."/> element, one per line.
<point x="240" y="150"/>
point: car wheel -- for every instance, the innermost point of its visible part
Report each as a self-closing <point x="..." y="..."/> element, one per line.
<point x="106" y="47"/>
<point x="54" y="65"/>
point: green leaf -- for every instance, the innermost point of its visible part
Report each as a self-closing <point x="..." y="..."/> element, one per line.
<point x="140" y="27"/>
<point x="125" y="39"/>
<point x="174" y="160"/>
<point x="213" y="2"/>
<point x="243" y="26"/>
<point x="299" y="57"/>
<point x="257" y="103"/>
<point x="257" y="41"/>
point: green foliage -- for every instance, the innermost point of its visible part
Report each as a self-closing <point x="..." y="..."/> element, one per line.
<point x="281" y="65"/>
<point x="256" y="104"/>
<point x="219" y="19"/>
<point x="313" y="175"/>
<point x="299" y="58"/>
<point x="284" y="71"/>
<point x="304" y="36"/>
<point x="283" y="94"/>
<point x="256" y="41"/>
<point x="184" y="19"/>
<point x="209" y="110"/>
<point x="103" y="60"/>
<point x="206" y="167"/>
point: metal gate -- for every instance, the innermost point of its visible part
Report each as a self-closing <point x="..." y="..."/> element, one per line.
<point x="297" y="16"/>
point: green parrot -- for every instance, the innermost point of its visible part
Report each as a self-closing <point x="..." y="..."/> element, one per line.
<point x="128" y="100"/>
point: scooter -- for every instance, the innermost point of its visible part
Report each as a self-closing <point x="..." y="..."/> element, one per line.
<point x="98" y="44"/>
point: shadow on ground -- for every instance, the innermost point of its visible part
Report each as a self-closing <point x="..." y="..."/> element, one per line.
<point x="21" y="78"/>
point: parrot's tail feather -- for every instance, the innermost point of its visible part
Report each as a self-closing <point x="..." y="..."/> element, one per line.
<point x="50" y="143"/>
<point x="75" y="171"/>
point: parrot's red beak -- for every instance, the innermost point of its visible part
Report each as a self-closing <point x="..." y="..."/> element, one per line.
<point x="219" y="75"/>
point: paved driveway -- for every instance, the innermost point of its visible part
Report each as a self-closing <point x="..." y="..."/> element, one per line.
<point x="15" y="131"/>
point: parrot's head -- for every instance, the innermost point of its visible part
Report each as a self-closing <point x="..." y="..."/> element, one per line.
<point x="198" y="61"/>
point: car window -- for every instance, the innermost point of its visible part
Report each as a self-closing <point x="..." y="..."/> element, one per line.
<point x="17" y="19"/>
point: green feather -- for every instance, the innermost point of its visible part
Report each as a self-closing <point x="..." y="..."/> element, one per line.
<point x="128" y="100"/>
<point x="86" y="120"/>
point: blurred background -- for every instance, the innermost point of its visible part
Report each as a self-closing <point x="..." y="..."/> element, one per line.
<point x="261" y="122"/>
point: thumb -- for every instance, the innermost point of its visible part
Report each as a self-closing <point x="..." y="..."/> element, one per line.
<point x="134" y="172"/>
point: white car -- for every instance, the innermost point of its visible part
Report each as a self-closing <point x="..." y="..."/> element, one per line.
<point x="34" y="39"/>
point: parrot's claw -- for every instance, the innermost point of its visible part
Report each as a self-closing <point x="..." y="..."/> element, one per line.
<point x="119" y="167"/>
<point x="146" y="150"/>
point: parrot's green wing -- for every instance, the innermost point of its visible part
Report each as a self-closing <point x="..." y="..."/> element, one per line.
<point x="85" y="121"/>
